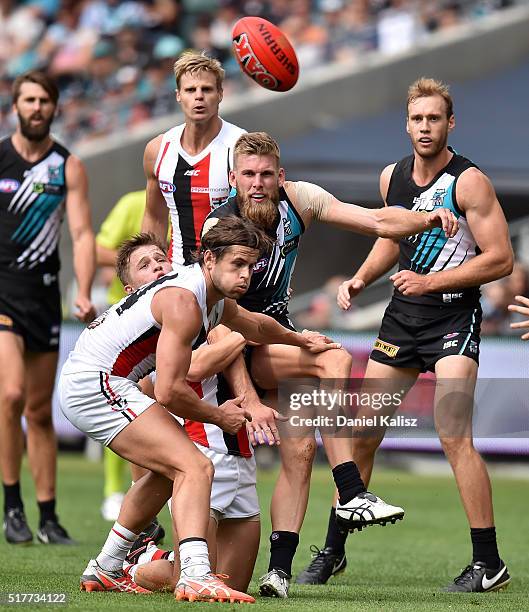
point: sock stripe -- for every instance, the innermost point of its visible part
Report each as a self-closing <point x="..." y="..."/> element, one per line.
<point x="121" y="535"/>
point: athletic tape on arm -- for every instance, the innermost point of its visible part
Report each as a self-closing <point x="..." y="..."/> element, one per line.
<point x="314" y="198"/>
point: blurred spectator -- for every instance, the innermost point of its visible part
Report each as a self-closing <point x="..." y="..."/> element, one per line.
<point x="109" y="55"/>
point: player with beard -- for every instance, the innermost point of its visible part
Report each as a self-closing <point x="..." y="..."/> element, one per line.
<point x="39" y="180"/>
<point x="433" y="320"/>
<point x="285" y="209"/>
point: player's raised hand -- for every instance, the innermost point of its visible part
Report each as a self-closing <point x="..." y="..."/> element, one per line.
<point x="523" y="310"/>
<point x="318" y="343"/>
<point x="348" y="290"/>
<point x="442" y="217"/>
<point x="262" y="429"/>
<point x="232" y="415"/>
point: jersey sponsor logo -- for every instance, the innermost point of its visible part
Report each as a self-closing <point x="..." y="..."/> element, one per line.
<point x="473" y="347"/>
<point x="390" y="350"/>
<point x="452" y="335"/>
<point x="288" y="227"/>
<point x="192" y="172"/>
<point x="167" y="187"/>
<point x="6" y="321"/>
<point x="450" y="344"/>
<point x="438" y="198"/>
<point x="260" y="265"/>
<point x="48" y="188"/>
<point x="289" y="246"/>
<point x="8" y="185"/>
<point x="448" y="298"/>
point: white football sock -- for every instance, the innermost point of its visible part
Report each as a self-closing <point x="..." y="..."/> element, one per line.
<point x="115" y="549"/>
<point x="194" y="557"/>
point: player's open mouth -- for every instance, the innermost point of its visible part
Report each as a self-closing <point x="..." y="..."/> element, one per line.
<point x="425" y="140"/>
<point x="258" y="196"/>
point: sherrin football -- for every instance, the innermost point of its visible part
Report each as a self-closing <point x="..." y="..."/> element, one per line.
<point x="265" y="54"/>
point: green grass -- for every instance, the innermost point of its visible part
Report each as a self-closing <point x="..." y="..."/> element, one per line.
<point x="398" y="567"/>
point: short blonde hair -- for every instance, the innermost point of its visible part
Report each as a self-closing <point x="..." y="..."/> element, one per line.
<point x="256" y="143"/>
<point x="426" y="87"/>
<point x="191" y="61"/>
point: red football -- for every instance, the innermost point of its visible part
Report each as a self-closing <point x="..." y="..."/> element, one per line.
<point x="265" y="54"/>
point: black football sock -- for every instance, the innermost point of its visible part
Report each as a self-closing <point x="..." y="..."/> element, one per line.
<point x="336" y="536"/>
<point x="283" y="545"/>
<point x="485" y="547"/>
<point x="12" y="497"/>
<point x="47" y="511"/>
<point x="348" y="481"/>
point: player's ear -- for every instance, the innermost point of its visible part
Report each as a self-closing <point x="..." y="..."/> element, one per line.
<point x="451" y="123"/>
<point x="177" y="93"/>
<point x="128" y="289"/>
<point x="209" y="259"/>
<point x="407" y="125"/>
<point x="231" y="178"/>
<point x="281" y="177"/>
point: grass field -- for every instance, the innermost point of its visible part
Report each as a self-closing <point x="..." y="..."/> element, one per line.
<point x="398" y="567"/>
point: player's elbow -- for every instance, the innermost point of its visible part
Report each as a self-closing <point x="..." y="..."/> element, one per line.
<point x="197" y="370"/>
<point x="506" y="264"/>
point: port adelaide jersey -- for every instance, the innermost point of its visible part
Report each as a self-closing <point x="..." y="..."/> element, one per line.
<point x="193" y="185"/>
<point x="269" y="288"/>
<point x="432" y="251"/>
<point x="32" y="197"/>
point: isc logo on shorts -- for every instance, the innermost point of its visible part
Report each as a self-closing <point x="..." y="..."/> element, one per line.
<point x="390" y="349"/>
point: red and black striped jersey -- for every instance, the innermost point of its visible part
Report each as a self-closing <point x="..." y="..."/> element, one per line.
<point x="193" y="185"/>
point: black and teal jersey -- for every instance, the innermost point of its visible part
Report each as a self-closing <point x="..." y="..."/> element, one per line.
<point x="32" y="197"/>
<point x="432" y="251"/>
<point x="269" y="287"/>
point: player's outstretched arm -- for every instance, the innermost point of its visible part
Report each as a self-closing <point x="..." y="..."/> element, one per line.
<point x="155" y="219"/>
<point x="83" y="239"/>
<point x="263" y="329"/>
<point x="523" y="310"/>
<point x="180" y="317"/>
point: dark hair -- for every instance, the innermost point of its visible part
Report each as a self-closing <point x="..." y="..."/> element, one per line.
<point x="233" y="231"/>
<point x="128" y="247"/>
<point x="40" y="78"/>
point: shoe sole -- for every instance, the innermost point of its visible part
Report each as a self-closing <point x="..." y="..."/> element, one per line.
<point x="194" y="597"/>
<point x="359" y="525"/>
<point x="91" y="586"/>
<point x="267" y="590"/>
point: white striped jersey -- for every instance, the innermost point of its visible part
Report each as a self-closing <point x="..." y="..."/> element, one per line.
<point x="432" y="251"/>
<point x="32" y="196"/>
<point x="122" y="341"/>
<point x="193" y="185"/>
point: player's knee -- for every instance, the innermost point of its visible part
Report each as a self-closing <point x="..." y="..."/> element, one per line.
<point x="300" y="457"/>
<point x="365" y="444"/>
<point x="39" y="416"/>
<point x="455" y="447"/>
<point x="13" y="398"/>
<point x="336" y="363"/>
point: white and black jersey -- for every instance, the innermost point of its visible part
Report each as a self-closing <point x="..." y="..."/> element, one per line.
<point x="432" y="251"/>
<point x="32" y="203"/>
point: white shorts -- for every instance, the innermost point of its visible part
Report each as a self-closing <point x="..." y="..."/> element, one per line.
<point x="99" y="404"/>
<point x="233" y="492"/>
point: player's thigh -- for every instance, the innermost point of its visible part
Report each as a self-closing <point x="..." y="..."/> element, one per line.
<point x="12" y="381"/>
<point x="454" y="396"/>
<point x="156" y="441"/>
<point x="274" y="362"/>
<point x="237" y="547"/>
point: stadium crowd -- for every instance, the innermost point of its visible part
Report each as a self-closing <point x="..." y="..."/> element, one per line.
<point x="112" y="59"/>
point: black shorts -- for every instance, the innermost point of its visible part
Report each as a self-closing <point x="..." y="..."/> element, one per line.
<point x="37" y="320"/>
<point x="410" y="341"/>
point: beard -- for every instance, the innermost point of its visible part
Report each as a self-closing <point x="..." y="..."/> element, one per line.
<point x="263" y="213"/>
<point x="440" y="145"/>
<point x="34" y="133"/>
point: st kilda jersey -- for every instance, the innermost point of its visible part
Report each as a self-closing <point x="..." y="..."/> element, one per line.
<point x="32" y="196"/>
<point x="269" y="288"/>
<point x="122" y="342"/>
<point x="432" y="251"/>
<point x="193" y="185"/>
